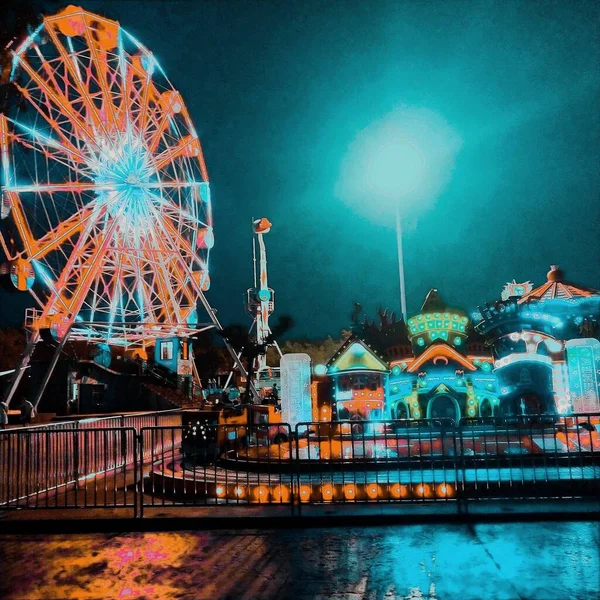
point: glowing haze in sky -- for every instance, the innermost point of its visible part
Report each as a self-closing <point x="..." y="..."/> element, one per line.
<point x="404" y="159"/>
<point x="281" y="93"/>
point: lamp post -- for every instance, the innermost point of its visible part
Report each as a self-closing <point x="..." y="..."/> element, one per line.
<point x="400" y="263"/>
<point x="403" y="160"/>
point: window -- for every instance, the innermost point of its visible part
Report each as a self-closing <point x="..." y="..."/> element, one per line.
<point x="344" y="384"/>
<point x="359" y="383"/>
<point x="166" y="351"/>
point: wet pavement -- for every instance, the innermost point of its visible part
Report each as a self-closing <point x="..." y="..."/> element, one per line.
<point x="507" y="561"/>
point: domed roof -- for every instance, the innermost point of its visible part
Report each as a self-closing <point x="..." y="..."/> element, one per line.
<point x="557" y="288"/>
<point x="436" y="322"/>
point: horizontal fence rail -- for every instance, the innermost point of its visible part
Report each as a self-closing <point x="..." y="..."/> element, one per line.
<point x="149" y="461"/>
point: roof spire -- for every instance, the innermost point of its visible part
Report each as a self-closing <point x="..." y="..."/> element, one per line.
<point x="433" y="301"/>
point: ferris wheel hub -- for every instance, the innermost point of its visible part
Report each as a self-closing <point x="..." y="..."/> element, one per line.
<point x="124" y="174"/>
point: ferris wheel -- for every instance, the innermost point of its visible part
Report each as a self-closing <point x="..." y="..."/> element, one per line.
<point x="106" y="211"/>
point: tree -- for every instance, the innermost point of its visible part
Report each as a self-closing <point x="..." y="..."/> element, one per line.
<point x="320" y="351"/>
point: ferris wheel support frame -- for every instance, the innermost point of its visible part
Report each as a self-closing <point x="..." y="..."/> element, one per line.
<point x="20" y="370"/>
<point x="51" y="367"/>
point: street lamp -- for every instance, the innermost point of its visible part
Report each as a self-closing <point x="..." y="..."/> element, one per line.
<point x="395" y="172"/>
<point x="403" y="160"/>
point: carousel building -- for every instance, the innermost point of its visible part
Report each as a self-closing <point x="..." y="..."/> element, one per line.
<point x="545" y="346"/>
<point x="533" y="351"/>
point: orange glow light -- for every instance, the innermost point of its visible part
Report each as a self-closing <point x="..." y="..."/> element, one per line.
<point x="444" y="490"/>
<point x="261" y="493"/>
<point x="305" y="493"/>
<point x="398" y="491"/>
<point x="327" y="492"/>
<point x="350" y="492"/>
<point x="280" y="493"/>
<point x="373" y="491"/>
<point x="422" y="490"/>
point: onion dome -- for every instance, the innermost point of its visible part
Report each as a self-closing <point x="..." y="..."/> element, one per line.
<point x="437" y="322"/>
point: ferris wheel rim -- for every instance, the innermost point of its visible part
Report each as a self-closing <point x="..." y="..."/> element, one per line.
<point x="159" y="194"/>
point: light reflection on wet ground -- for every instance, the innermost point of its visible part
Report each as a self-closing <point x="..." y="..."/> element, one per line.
<point x="540" y="561"/>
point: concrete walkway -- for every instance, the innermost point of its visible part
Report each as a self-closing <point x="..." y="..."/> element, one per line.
<point x="509" y="561"/>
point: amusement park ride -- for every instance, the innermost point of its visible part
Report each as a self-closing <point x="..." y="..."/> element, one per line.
<point x="106" y="208"/>
<point x="260" y="301"/>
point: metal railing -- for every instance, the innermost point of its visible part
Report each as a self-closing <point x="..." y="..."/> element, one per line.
<point x="153" y="461"/>
<point x="379" y="461"/>
<point x="44" y="466"/>
<point x="69" y="468"/>
<point x="220" y="465"/>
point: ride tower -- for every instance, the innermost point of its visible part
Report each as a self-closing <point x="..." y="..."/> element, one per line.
<point x="260" y="305"/>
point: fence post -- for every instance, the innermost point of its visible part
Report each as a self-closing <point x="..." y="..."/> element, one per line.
<point x="123" y="450"/>
<point x="295" y="476"/>
<point x="76" y="459"/>
<point x="139" y="474"/>
<point x="461" y="498"/>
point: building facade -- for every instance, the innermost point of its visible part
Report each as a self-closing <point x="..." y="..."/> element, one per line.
<point x="533" y="351"/>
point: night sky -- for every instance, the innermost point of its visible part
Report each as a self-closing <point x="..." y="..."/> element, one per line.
<point x="279" y="91"/>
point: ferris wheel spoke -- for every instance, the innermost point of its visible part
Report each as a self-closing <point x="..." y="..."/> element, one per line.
<point x="72" y="66"/>
<point x="86" y="240"/>
<point x="157" y="134"/>
<point x="67" y="144"/>
<point x="61" y="103"/>
<point x="162" y="277"/>
<point x="56" y="158"/>
<point x="52" y="188"/>
<point x="169" y="270"/>
<point x="117" y="294"/>
<point x="197" y="146"/>
<point x="47" y="144"/>
<point x="182" y="245"/>
<point x="179" y="246"/>
<point x="147" y="88"/>
<point x="21" y="221"/>
<point x="173" y="208"/>
<point x="186" y="143"/>
<point x="107" y="98"/>
<point x="64" y="231"/>
<point x="85" y="275"/>
<point x="126" y="88"/>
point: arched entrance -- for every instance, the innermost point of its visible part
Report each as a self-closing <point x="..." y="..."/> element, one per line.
<point x="443" y="406"/>
<point x="401" y="411"/>
<point x="486" y="408"/>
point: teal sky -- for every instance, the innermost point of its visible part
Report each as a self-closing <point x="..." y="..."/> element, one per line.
<point x="279" y="91"/>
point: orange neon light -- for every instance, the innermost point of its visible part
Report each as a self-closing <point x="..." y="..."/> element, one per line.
<point x="440" y="350"/>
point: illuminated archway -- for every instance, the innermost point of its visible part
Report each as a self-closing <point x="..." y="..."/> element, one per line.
<point x="486" y="408"/>
<point x="443" y="406"/>
<point x="401" y="410"/>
